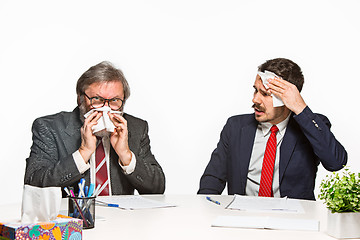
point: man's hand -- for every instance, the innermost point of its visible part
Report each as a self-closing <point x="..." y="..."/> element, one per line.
<point x="288" y="93"/>
<point x="88" y="139"/>
<point x="119" y="139"/>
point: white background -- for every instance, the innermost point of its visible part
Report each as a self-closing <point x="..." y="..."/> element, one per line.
<point x="190" y="64"/>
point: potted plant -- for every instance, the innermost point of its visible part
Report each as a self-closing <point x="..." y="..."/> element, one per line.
<point x="341" y="194"/>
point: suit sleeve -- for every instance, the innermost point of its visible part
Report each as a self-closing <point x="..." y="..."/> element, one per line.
<point x="148" y="176"/>
<point x="214" y="179"/>
<point x="44" y="167"/>
<point x="316" y="128"/>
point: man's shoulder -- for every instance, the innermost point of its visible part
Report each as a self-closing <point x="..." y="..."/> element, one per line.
<point x="243" y="119"/>
<point x="132" y="120"/>
<point x="61" y="118"/>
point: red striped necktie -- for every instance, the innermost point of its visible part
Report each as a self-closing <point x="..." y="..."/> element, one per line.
<point x="101" y="171"/>
<point x="268" y="165"/>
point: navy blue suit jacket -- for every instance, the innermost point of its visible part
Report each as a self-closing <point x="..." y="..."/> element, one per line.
<point x="307" y="142"/>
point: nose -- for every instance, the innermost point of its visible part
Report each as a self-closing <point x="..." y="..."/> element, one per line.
<point x="256" y="99"/>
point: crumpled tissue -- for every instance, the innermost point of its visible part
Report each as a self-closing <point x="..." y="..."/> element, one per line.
<point x="104" y="122"/>
<point x="265" y="76"/>
<point x="40" y="204"/>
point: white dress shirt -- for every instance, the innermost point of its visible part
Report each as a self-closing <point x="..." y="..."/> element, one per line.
<point x="82" y="166"/>
<point x="254" y="173"/>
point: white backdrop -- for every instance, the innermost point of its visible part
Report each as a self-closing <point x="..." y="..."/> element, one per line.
<point x="190" y="63"/>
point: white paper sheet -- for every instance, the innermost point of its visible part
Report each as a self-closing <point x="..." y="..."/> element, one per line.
<point x="267" y="223"/>
<point x="133" y="202"/>
<point x="265" y="204"/>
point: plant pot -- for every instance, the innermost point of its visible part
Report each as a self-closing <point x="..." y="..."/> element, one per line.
<point x="343" y="225"/>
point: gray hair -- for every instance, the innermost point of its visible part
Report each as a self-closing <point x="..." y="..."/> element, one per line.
<point x="102" y="72"/>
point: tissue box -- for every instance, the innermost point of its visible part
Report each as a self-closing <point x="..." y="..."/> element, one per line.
<point x="63" y="227"/>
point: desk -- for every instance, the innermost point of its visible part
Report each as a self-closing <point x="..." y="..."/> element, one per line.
<point x="191" y="219"/>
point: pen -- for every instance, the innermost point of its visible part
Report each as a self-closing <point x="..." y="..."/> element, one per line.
<point x="81" y="185"/>
<point x="96" y="190"/>
<point x="78" y="208"/>
<point x="67" y="191"/>
<point x="108" y="204"/>
<point x="86" y="191"/>
<point x="91" y="190"/>
<point x="212" y="200"/>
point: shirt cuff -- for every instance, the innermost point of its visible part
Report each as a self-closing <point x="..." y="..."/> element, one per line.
<point x="80" y="163"/>
<point x="131" y="167"/>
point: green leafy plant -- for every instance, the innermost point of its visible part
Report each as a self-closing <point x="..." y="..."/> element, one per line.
<point x="341" y="192"/>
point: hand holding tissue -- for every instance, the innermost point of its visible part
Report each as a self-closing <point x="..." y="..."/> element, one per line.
<point x="265" y="76"/>
<point x="104" y="123"/>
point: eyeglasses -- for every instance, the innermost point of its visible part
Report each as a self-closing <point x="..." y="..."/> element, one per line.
<point x="98" y="102"/>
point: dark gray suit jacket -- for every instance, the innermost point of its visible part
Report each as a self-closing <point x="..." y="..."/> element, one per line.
<point x="57" y="137"/>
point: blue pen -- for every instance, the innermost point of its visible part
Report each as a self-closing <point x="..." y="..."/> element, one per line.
<point x="212" y="200"/>
<point x="86" y="191"/>
<point x="91" y="190"/>
<point x="112" y="205"/>
<point x="107" y="204"/>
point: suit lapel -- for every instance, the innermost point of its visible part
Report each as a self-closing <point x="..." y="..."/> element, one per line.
<point x="129" y="125"/>
<point x="287" y="147"/>
<point x="71" y="134"/>
<point x="245" y="149"/>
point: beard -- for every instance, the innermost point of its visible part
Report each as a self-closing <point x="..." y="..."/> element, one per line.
<point x="83" y="110"/>
<point x="102" y="133"/>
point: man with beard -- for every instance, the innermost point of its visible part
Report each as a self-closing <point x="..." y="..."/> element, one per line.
<point x="275" y="151"/>
<point x="66" y="147"/>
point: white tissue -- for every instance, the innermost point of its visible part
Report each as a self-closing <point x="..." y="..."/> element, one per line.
<point x="104" y="122"/>
<point x="265" y="76"/>
<point x="40" y="204"/>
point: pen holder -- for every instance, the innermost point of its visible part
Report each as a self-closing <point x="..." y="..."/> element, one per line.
<point x="83" y="208"/>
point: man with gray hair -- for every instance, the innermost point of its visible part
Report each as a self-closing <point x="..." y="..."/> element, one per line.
<point x="96" y="141"/>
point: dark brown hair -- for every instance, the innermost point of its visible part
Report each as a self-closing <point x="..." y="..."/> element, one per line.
<point x="286" y="69"/>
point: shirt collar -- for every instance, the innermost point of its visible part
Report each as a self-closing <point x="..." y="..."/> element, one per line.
<point x="265" y="126"/>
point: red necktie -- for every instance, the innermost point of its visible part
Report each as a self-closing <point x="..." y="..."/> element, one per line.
<point x="101" y="170"/>
<point x="268" y="165"/>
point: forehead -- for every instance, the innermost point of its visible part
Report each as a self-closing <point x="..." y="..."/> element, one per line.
<point x="113" y="88"/>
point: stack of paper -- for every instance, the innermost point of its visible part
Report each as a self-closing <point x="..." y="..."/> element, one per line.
<point x="266" y="223"/>
<point x="265" y="204"/>
<point x="132" y="202"/>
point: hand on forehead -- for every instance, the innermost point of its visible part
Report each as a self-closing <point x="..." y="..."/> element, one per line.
<point x="266" y="76"/>
<point x="264" y="79"/>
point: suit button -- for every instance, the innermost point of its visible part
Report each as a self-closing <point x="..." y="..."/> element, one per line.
<point x="139" y="178"/>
